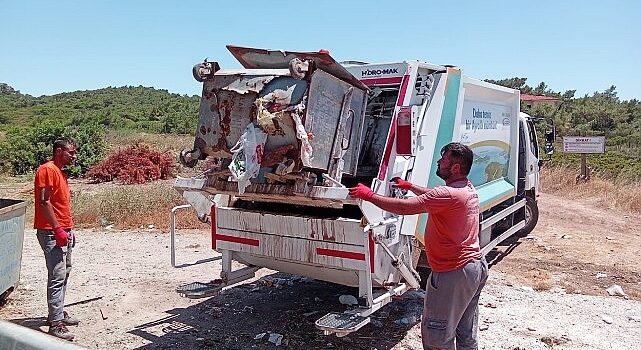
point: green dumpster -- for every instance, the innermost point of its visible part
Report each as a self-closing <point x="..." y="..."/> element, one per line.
<point x="12" y="216"/>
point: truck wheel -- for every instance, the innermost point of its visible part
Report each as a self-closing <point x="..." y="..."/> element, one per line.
<point x="531" y="216"/>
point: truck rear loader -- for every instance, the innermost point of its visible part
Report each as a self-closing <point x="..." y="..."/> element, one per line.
<point x="287" y="135"/>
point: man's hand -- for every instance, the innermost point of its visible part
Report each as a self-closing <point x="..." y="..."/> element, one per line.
<point x="361" y="192"/>
<point x="400" y="183"/>
<point x="61" y="236"/>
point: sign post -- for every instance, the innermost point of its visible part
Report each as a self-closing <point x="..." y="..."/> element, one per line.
<point x="584" y="145"/>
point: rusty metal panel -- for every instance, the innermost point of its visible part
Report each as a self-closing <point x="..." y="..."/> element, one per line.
<point x="294" y="249"/>
<point x="326" y="97"/>
<point x="261" y="58"/>
<point x="338" y="230"/>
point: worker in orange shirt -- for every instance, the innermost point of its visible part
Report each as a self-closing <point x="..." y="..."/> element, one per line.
<point x="54" y="225"/>
<point x="459" y="271"/>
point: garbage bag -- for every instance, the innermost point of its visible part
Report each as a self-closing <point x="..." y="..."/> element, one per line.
<point x="247" y="156"/>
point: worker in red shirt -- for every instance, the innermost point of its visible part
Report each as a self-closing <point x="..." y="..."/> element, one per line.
<point x="459" y="272"/>
<point x="54" y="224"/>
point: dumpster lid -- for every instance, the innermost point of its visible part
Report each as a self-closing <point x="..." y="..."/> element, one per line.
<point x="252" y="58"/>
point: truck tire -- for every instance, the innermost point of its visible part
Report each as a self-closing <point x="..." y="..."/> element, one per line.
<point x="531" y="216"/>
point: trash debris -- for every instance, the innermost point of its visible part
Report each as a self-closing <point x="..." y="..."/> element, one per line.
<point x="275" y="338"/>
<point x="317" y="299"/>
<point x="566" y="237"/>
<point x="601" y="275"/>
<point x="616" y="290"/>
<point x="260" y="336"/>
<point x="247" y="156"/>
<point x="490" y="305"/>
<point x="307" y="314"/>
<point x="484" y="327"/>
<point x="406" y="321"/>
<point x="527" y="289"/>
<point x="109" y="227"/>
<point x="347" y="299"/>
<point x="607" y="319"/>
<point x="609" y="238"/>
<point x="150" y="226"/>
<point x="531" y="329"/>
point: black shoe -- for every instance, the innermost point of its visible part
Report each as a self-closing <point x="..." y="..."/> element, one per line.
<point x="58" y="329"/>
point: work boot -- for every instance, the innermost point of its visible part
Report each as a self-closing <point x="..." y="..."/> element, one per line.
<point x="58" y="329"/>
<point x="67" y="320"/>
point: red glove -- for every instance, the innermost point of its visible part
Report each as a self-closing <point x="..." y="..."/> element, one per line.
<point x="61" y="236"/>
<point x="400" y="183"/>
<point x="361" y="192"/>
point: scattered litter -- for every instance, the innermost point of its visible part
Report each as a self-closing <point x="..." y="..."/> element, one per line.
<point x="634" y="318"/>
<point x="609" y="238"/>
<point x="307" y="314"/>
<point x="109" y="227"/>
<point x="200" y="339"/>
<point x="317" y="299"/>
<point x="406" y="321"/>
<point x="347" y="299"/>
<point x="527" y="289"/>
<point x="566" y="237"/>
<point x="531" y="329"/>
<point x="102" y="314"/>
<point x="601" y="275"/>
<point x="260" y="336"/>
<point x="616" y="290"/>
<point x="490" y="305"/>
<point x="484" y="327"/>
<point x="150" y="226"/>
<point x="607" y="319"/>
<point x="415" y="294"/>
<point x="275" y="338"/>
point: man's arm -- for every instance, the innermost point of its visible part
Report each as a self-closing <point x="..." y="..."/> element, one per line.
<point x="47" y="209"/>
<point x="406" y="185"/>
<point x="398" y="206"/>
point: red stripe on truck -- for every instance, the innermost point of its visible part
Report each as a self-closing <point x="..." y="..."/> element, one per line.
<point x="340" y="254"/>
<point x="382" y="171"/>
<point x="213" y="226"/>
<point x="240" y="240"/>
<point x="382" y="81"/>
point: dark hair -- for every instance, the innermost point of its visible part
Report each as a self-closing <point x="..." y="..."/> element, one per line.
<point x="63" y="142"/>
<point x="460" y="154"/>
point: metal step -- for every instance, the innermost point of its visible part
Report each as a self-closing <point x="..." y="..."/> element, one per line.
<point x="340" y="323"/>
<point x="198" y="290"/>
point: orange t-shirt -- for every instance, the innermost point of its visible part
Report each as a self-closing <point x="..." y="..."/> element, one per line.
<point x="452" y="232"/>
<point x="51" y="177"/>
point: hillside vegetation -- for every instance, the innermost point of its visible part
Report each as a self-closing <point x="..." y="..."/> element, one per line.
<point x="28" y="124"/>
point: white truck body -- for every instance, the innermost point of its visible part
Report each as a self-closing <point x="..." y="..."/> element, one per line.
<point x="301" y="220"/>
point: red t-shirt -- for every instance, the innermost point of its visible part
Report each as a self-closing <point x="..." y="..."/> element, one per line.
<point x="452" y="232"/>
<point x="51" y="177"/>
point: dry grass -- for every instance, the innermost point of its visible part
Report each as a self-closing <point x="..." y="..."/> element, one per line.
<point x="131" y="206"/>
<point x="612" y="194"/>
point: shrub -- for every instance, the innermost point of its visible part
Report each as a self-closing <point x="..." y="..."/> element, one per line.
<point x="25" y="148"/>
<point x="136" y="164"/>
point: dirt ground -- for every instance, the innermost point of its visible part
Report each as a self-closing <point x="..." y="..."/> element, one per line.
<point x="547" y="290"/>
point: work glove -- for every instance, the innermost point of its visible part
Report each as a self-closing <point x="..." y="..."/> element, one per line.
<point x="61" y="236"/>
<point x="361" y="192"/>
<point x="400" y="183"/>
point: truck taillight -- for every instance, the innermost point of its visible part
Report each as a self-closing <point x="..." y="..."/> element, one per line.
<point x="404" y="132"/>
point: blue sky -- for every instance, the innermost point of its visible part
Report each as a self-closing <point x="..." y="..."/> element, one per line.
<point x="48" y="47"/>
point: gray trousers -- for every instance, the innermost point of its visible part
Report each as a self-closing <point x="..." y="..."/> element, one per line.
<point x="58" y="268"/>
<point x="451" y="312"/>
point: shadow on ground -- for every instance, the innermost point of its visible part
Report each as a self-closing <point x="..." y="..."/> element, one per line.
<point x="283" y="304"/>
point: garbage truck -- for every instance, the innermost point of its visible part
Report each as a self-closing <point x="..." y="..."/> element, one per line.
<point x="284" y="137"/>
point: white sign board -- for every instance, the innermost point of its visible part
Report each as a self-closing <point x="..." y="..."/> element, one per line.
<point x="584" y="144"/>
